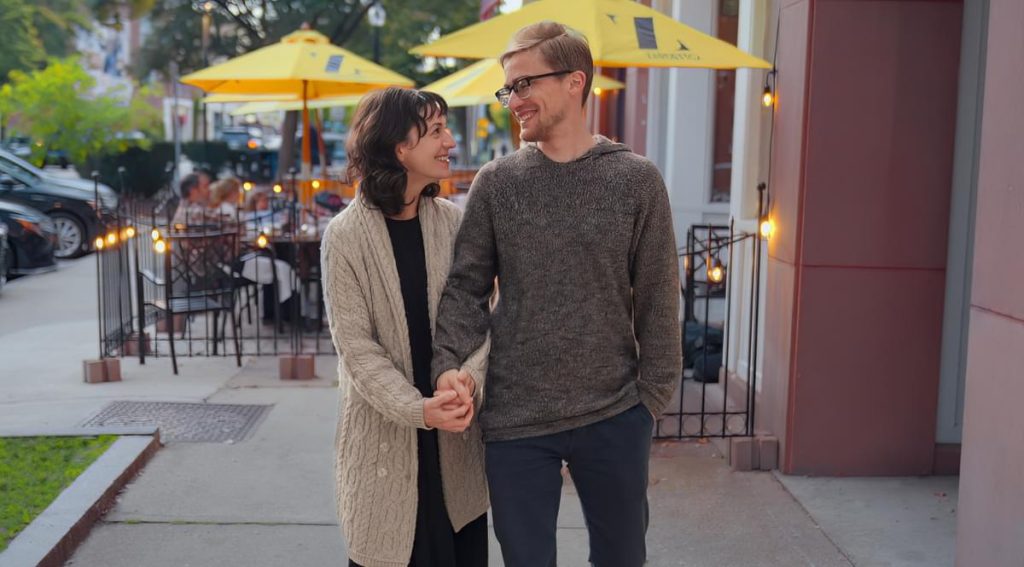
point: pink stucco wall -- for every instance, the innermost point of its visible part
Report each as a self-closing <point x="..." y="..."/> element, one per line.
<point x="861" y="180"/>
<point x="990" y="515"/>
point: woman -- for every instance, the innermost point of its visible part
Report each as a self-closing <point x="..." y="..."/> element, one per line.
<point x="224" y="197"/>
<point x="410" y="480"/>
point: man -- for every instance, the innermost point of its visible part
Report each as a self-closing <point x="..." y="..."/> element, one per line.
<point x="195" y="196"/>
<point x="585" y="345"/>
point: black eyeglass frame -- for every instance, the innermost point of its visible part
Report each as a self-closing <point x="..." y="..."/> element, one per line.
<point x="504" y="94"/>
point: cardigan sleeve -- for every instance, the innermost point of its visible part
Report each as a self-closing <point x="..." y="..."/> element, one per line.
<point x="476" y="365"/>
<point x="370" y="371"/>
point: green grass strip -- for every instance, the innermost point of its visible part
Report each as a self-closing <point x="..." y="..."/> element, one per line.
<point x="34" y="471"/>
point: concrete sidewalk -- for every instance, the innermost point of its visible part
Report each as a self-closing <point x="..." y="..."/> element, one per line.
<point x="269" y="500"/>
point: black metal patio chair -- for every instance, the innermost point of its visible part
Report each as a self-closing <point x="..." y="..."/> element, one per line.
<point x="198" y="277"/>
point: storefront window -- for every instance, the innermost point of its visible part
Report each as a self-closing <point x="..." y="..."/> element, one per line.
<point x="725" y="96"/>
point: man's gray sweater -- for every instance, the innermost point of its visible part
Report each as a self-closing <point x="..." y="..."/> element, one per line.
<point x="586" y="324"/>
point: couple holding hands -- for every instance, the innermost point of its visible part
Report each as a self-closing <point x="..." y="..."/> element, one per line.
<point x="454" y="400"/>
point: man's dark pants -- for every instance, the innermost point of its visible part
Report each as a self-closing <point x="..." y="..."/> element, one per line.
<point x="608" y="463"/>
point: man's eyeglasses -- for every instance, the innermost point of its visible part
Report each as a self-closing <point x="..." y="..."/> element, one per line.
<point x="522" y="87"/>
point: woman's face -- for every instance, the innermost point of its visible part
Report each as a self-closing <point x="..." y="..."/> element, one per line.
<point x="426" y="157"/>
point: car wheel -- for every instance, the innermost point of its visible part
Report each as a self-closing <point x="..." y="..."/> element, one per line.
<point x="70" y="236"/>
<point x="12" y="262"/>
<point x="5" y="262"/>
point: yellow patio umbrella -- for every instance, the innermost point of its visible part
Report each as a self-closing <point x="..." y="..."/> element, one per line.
<point x="622" y="33"/>
<point x="259" y="106"/>
<point x="476" y="84"/>
<point x="234" y="98"/>
<point x="305" y="66"/>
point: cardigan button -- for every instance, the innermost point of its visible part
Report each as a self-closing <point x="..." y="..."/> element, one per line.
<point x="382" y="472"/>
<point x="383" y="446"/>
<point x="465" y="436"/>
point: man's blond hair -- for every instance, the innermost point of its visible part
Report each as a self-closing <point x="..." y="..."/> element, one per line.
<point x="561" y="47"/>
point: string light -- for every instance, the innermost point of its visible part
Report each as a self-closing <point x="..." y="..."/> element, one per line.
<point x="247" y="186"/>
<point x="160" y="246"/>
<point x="130" y="232"/>
<point x="155" y="235"/>
<point x="767" y="97"/>
<point x="112" y="238"/>
<point x="99" y="243"/>
<point x="262" y="241"/>
<point x="316" y="184"/>
<point x="597" y="91"/>
<point x="278" y="188"/>
<point x="767" y="228"/>
<point x="716" y="271"/>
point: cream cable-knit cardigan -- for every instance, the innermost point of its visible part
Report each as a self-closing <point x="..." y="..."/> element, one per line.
<point x="376" y="462"/>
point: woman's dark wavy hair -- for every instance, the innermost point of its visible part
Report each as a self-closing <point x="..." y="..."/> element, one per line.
<point x="382" y="122"/>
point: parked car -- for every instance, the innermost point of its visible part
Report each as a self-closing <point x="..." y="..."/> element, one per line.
<point x="242" y="138"/>
<point x="71" y="203"/>
<point x="21" y="146"/>
<point x="3" y="254"/>
<point x="334" y="144"/>
<point x="31" y="238"/>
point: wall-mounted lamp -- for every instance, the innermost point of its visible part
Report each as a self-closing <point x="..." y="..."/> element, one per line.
<point x="767" y="228"/>
<point x="768" y="94"/>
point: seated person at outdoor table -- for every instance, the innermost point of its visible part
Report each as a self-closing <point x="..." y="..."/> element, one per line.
<point x="257" y="201"/>
<point x="224" y="197"/>
<point x="195" y="194"/>
<point x="257" y="212"/>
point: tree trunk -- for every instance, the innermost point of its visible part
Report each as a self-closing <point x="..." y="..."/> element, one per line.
<point x="286" y="155"/>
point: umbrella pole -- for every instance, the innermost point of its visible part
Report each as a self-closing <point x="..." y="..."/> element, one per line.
<point x="306" y="158"/>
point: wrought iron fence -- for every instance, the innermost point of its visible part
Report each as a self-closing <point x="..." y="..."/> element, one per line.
<point x="274" y="272"/>
<point x="114" y="291"/>
<point x="713" y="400"/>
<point x="276" y="292"/>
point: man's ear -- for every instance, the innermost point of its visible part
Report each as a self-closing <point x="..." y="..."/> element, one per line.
<point x="577" y="79"/>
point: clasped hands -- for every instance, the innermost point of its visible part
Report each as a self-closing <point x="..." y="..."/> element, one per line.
<point x="451" y="408"/>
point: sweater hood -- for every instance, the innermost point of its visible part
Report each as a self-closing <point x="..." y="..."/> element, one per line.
<point x="602" y="147"/>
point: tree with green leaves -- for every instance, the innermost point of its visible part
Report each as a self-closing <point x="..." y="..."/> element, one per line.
<point x="56" y="107"/>
<point x="240" y="26"/>
<point x="22" y="49"/>
<point x="57" y="21"/>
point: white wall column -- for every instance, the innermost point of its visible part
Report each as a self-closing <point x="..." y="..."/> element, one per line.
<point x="750" y="166"/>
<point x="686" y="119"/>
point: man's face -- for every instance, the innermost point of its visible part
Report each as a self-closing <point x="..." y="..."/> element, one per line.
<point x="202" y="191"/>
<point x="549" y="99"/>
<point x="426" y="157"/>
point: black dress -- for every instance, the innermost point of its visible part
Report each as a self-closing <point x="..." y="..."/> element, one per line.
<point x="436" y="544"/>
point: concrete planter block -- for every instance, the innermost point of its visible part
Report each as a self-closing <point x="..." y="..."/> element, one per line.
<point x="297" y="367"/>
<point x="768" y="452"/>
<point x="131" y="344"/>
<point x="94" y="371"/>
<point x="742" y="454"/>
<point x="113" y="368"/>
<point x="162" y="327"/>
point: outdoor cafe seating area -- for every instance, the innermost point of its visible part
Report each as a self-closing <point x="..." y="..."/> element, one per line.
<point x="233" y="282"/>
